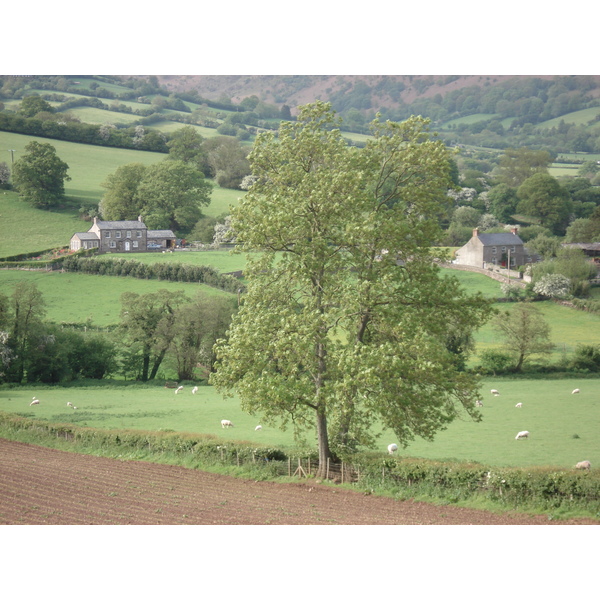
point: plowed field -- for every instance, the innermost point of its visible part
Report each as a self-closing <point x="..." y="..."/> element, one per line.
<point x="44" y="486"/>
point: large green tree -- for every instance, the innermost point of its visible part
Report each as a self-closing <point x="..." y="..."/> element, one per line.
<point x="541" y="196"/>
<point x="525" y="333"/>
<point x="173" y="193"/>
<point x="186" y="145"/>
<point x="346" y="319"/>
<point x="40" y="175"/>
<point x="121" y="201"/>
<point x="518" y="164"/>
<point x="147" y="325"/>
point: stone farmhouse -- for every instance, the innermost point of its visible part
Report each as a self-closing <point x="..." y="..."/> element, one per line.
<point x="485" y="250"/>
<point x="123" y="236"/>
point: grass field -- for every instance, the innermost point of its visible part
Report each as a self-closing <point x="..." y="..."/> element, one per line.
<point x="563" y="427"/>
<point x="77" y="297"/>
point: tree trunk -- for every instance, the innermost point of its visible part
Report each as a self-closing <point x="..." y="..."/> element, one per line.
<point x="323" y="442"/>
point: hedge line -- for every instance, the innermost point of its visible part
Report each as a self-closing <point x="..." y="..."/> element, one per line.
<point x="546" y="488"/>
<point x="123" y="267"/>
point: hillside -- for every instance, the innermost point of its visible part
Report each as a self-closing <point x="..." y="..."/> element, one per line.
<point x="295" y="90"/>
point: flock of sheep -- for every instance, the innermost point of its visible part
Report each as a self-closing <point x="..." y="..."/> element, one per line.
<point x="584" y="464"/>
<point x="392" y="448"/>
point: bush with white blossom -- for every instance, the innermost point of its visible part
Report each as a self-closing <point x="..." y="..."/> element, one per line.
<point x="553" y="285"/>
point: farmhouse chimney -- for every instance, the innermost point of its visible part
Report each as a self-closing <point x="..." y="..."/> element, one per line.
<point x="514" y="230"/>
<point x="476" y="232"/>
<point x="140" y="218"/>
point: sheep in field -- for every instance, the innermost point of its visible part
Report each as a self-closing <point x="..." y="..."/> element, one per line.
<point x="34" y="401"/>
<point x="584" y="464"/>
<point x="478" y="403"/>
<point x="495" y="392"/>
<point x="226" y="423"/>
<point x="575" y="391"/>
<point x="258" y="428"/>
<point x="194" y="389"/>
<point x="518" y="405"/>
<point x="392" y="448"/>
<point x="70" y="404"/>
<point x="522" y="435"/>
<point x="179" y="389"/>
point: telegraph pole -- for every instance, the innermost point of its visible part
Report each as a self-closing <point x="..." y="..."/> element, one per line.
<point x="12" y="155"/>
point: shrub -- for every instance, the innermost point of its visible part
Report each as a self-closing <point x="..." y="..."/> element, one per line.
<point x="495" y="362"/>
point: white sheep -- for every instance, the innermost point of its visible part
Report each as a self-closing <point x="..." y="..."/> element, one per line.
<point x="194" y="389"/>
<point x="258" y="428"/>
<point x="495" y="392"/>
<point x="392" y="448"/>
<point x="226" y="423"/>
<point x="575" y="391"/>
<point x="179" y="389"/>
<point x="478" y="403"/>
<point x="584" y="464"/>
<point x="34" y="401"/>
<point x="522" y="435"/>
<point x="518" y="405"/>
<point x="70" y="404"/>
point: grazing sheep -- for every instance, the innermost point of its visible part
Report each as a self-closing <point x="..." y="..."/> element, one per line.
<point x="70" y="404"/>
<point x="584" y="464"/>
<point x="194" y="389"/>
<point x="495" y="392"/>
<point x="478" y="403"/>
<point x="522" y="435"/>
<point x="575" y="391"/>
<point x="392" y="448"/>
<point x="34" y="401"/>
<point x="518" y="405"/>
<point x="226" y="423"/>
<point x="179" y="389"/>
<point x="258" y="428"/>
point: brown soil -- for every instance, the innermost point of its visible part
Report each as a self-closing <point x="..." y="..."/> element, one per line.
<point x="45" y="486"/>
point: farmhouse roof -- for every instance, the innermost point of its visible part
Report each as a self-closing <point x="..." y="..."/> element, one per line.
<point x="498" y="239"/>
<point x="160" y="233"/>
<point x="87" y="235"/>
<point x="120" y="224"/>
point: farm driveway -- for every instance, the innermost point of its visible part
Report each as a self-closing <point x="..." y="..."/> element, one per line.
<point x="45" y="486"/>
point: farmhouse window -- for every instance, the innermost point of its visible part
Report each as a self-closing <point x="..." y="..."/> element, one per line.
<point x="503" y="249"/>
<point x="118" y="234"/>
<point x="493" y="249"/>
<point x="138" y="233"/>
<point x="135" y="244"/>
<point x="512" y="249"/>
<point x="107" y="234"/>
<point x="113" y="244"/>
<point x="129" y="234"/>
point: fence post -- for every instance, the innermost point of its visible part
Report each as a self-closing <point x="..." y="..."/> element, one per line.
<point x="237" y="458"/>
<point x="342" y="471"/>
<point x="289" y="466"/>
<point x="327" y="474"/>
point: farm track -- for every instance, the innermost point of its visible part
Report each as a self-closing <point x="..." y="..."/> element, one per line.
<point x="45" y="486"/>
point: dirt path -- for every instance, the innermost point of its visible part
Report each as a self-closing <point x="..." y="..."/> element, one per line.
<point x="44" y="486"/>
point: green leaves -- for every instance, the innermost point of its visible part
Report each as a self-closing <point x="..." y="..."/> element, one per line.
<point x="345" y="315"/>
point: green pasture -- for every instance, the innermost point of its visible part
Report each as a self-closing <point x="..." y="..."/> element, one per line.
<point x="89" y="165"/>
<point x="568" y="329"/>
<point x="99" y="116"/>
<point x="563" y="427"/>
<point x="24" y="228"/>
<point x="78" y="297"/>
<point x="579" y="117"/>
<point x="223" y="261"/>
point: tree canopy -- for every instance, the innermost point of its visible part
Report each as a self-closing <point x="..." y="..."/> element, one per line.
<point x="39" y="175"/>
<point x="346" y="319"/>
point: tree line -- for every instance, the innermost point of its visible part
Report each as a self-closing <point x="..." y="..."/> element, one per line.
<point x="160" y="329"/>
